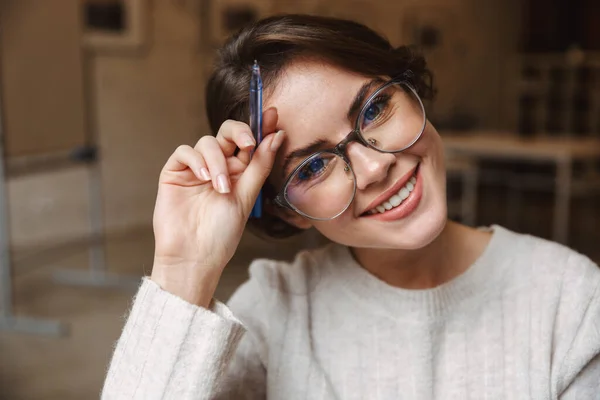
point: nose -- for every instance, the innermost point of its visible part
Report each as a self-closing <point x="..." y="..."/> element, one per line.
<point x="370" y="166"/>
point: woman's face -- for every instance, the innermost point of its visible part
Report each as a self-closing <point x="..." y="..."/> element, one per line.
<point x="312" y="100"/>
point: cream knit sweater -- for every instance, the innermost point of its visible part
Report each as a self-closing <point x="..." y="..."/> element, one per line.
<point x="523" y="322"/>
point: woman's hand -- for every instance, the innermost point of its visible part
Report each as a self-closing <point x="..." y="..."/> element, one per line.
<point x="205" y="196"/>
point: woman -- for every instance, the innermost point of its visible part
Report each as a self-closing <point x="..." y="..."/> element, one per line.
<point x="404" y="303"/>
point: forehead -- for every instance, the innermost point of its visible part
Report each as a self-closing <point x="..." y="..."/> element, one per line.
<point x="312" y="100"/>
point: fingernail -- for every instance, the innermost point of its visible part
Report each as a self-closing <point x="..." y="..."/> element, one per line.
<point x="223" y="184"/>
<point x="204" y="174"/>
<point x="249" y="142"/>
<point x="277" y="140"/>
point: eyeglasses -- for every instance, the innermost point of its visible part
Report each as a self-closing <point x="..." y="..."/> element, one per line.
<point x="324" y="185"/>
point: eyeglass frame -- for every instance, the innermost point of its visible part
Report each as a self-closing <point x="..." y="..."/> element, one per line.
<point x="353" y="136"/>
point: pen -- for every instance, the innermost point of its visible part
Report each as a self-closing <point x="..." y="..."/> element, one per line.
<point x="256" y="89"/>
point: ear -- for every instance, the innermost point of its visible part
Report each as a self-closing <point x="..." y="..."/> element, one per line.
<point x="289" y="216"/>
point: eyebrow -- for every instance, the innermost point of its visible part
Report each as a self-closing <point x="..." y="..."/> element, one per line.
<point x="361" y="95"/>
<point x="303" y="152"/>
<point x="318" y="144"/>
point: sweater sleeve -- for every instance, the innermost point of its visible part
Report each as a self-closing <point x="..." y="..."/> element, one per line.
<point x="580" y="368"/>
<point x="253" y="303"/>
<point x="170" y="349"/>
<point x="586" y="384"/>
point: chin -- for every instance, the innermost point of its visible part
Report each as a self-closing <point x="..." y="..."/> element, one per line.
<point x="423" y="230"/>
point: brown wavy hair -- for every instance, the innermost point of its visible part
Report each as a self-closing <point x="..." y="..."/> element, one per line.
<point x="279" y="40"/>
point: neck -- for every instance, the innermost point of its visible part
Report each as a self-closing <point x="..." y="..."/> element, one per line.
<point x="447" y="256"/>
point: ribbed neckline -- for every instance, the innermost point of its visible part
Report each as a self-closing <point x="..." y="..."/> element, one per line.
<point x="420" y="304"/>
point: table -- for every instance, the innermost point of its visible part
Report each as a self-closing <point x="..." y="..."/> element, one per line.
<point x="507" y="146"/>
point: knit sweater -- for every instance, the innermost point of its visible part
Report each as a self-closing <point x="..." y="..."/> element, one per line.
<point x="522" y="322"/>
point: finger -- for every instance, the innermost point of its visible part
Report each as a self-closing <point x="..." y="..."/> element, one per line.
<point x="270" y="118"/>
<point x="235" y="166"/>
<point x="259" y="169"/>
<point x="216" y="163"/>
<point x="186" y="157"/>
<point x="233" y="134"/>
<point x="269" y="125"/>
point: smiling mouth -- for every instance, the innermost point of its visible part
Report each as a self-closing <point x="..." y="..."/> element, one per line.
<point x="396" y="198"/>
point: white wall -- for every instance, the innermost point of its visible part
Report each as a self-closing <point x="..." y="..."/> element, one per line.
<point x="145" y="105"/>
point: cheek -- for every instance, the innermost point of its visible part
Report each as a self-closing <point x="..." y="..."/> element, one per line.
<point x="336" y="231"/>
<point x="429" y="146"/>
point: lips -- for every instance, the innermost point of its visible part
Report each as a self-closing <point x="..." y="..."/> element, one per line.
<point x="391" y="191"/>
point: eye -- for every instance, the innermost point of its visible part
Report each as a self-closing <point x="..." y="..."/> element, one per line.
<point x="314" y="168"/>
<point x="374" y="110"/>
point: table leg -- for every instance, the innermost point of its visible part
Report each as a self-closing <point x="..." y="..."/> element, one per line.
<point x="562" y="200"/>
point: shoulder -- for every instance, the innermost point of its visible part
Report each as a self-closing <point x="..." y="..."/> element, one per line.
<point x="275" y="286"/>
<point x="561" y="283"/>
<point x="548" y="261"/>
<point x="275" y="292"/>
<point x="271" y="280"/>
<point x="564" y="287"/>
<point x="558" y="272"/>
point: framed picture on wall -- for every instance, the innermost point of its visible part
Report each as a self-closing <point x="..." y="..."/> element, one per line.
<point x="115" y="25"/>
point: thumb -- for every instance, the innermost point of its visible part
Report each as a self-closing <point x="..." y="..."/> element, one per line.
<point x="259" y="169"/>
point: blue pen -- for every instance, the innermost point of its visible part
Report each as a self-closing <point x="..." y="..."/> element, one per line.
<point x="256" y="89"/>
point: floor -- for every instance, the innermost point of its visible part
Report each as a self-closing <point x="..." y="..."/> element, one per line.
<point x="73" y="367"/>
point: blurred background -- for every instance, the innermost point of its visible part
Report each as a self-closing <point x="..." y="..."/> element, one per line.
<point x="96" y="94"/>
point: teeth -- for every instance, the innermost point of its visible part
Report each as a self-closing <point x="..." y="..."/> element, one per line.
<point x="396" y="199"/>
<point x="404" y="193"/>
